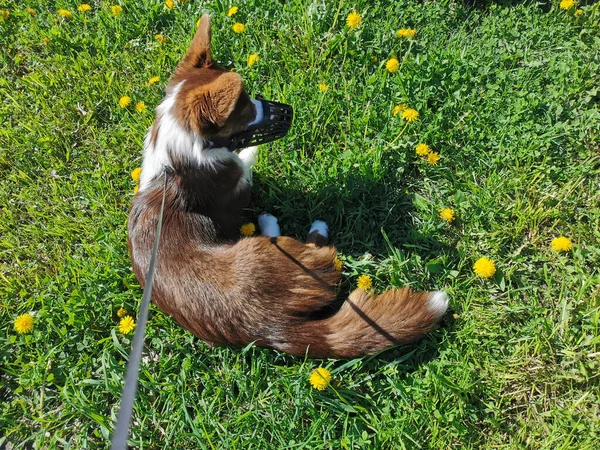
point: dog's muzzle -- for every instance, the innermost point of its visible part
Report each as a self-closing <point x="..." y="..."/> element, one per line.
<point x="273" y="120"/>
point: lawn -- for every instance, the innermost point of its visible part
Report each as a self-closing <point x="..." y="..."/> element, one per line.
<point x="508" y="97"/>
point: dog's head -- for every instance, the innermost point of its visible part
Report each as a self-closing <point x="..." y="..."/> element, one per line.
<point x="211" y="102"/>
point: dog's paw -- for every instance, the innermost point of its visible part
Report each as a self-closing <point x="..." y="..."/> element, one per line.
<point x="321" y="227"/>
<point x="248" y="156"/>
<point x="268" y="225"/>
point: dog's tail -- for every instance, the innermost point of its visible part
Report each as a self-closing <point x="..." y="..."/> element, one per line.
<point x="367" y="323"/>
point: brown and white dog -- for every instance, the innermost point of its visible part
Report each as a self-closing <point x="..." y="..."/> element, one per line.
<point x="274" y="291"/>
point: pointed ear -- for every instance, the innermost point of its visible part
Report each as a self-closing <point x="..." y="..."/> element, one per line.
<point x="213" y="103"/>
<point x="198" y="54"/>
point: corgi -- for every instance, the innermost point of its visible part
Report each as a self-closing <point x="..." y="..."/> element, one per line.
<point x="270" y="290"/>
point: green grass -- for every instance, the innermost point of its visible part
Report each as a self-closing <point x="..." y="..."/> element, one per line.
<point x="507" y="93"/>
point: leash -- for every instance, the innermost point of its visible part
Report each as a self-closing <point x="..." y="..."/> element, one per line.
<point x="119" y="439"/>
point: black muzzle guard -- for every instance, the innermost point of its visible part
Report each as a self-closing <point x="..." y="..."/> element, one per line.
<point x="273" y="121"/>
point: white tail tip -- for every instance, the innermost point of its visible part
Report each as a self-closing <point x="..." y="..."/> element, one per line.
<point x="438" y="302"/>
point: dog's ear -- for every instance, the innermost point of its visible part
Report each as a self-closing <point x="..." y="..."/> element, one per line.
<point x="198" y="54"/>
<point x="212" y="104"/>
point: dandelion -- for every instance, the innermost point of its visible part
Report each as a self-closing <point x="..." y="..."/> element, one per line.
<point x="567" y="4"/>
<point x="248" y="229"/>
<point x="406" y="33"/>
<point x="320" y="378"/>
<point x="562" y="244"/>
<point x="5" y="13"/>
<point x="447" y="214"/>
<point x="24" y="323"/>
<point x="337" y="264"/>
<point x="239" y="27"/>
<point x="579" y="12"/>
<point x="232" y="11"/>
<point x="136" y="174"/>
<point x="116" y="10"/>
<point x="153" y="80"/>
<point x="169" y="4"/>
<point x="140" y="107"/>
<point x="84" y="7"/>
<point x="423" y="149"/>
<point x="398" y="109"/>
<point x="198" y="22"/>
<point x="124" y="101"/>
<point x="31" y="12"/>
<point x="160" y="38"/>
<point x="65" y="13"/>
<point x="136" y="189"/>
<point x="364" y="282"/>
<point x="410" y="115"/>
<point x="121" y="312"/>
<point x="433" y="158"/>
<point x="392" y="65"/>
<point x="323" y="87"/>
<point x="253" y="58"/>
<point x="353" y="20"/>
<point x="484" y="267"/>
<point x="126" y="325"/>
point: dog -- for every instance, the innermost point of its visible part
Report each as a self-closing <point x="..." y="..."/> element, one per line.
<point x="270" y="290"/>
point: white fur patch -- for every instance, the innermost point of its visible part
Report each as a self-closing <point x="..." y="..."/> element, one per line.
<point x="268" y="225"/>
<point x="438" y="302"/>
<point x="248" y="157"/>
<point x="320" y="227"/>
<point x="173" y="139"/>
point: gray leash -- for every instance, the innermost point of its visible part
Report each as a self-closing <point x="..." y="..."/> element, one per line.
<point x="119" y="439"/>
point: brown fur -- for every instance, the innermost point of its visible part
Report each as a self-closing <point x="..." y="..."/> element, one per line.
<point x="276" y="292"/>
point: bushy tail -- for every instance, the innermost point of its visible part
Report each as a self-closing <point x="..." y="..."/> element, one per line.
<point x="367" y="323"/>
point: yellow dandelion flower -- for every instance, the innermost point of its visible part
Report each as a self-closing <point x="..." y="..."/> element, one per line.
<point x="116" y="10"/>
<point x="398" y="109"/>
<point x="562" y="244"/>
<point x="160" y="38"/>
<point x="169" y="4"/>
<point x="24" y="323"/>
<point x="353" y="20"/>
<point x="31" y="12"/>
<point x="84" y="7"/>
<point x="433" y="158"/>
<point x="124" y="101"/>
<point x="579" y="12"/>
<point x="136" y="189"/>
<point x="447" y="214"/>
<point x="406" y="33"/>
<point x="232" y="11"/>
<point x="392" y="65"/>
<point x="126" y="325"/>
<point x="136" y="173"/>
<point x="484" y="267"/>
<point x="337" y="264"/>
<point x="5" y="13"/>
<point x="154" y="80"/>
<point x="140" y="106"/>
<point x="423" y="149"/>
<point x="364" y="282"/>
<point x="248" y="229"/>
<point x="122" y="312"/>
<point x="410" y="115"/>
<point x="198" y="22"/>
<point x="239" y="27"/>
<point x="65" y="13"/>
<point x="320" y="378"/>
<point x="253" y="58"/>
<point x="323" y="87"/>
<point x="567" y="4"/>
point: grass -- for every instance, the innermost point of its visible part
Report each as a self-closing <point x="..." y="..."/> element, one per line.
<point x="507" y="94"/>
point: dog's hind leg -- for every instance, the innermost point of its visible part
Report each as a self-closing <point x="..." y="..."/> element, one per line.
<point x="268" y="225"/>
<point x="318" y="233"/>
